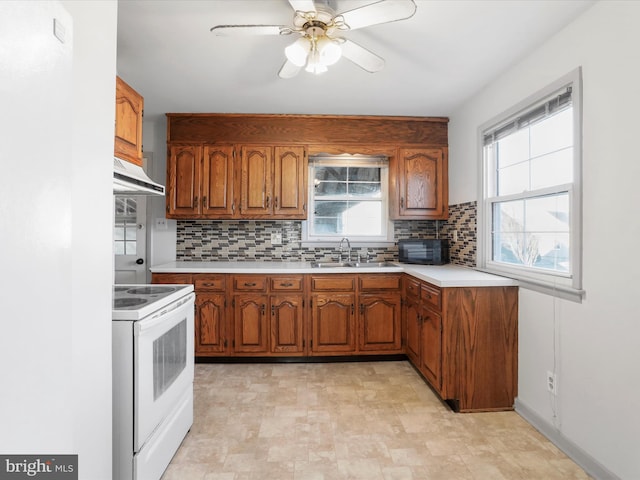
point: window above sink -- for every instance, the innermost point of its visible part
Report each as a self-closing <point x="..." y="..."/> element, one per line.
<point x="348" y="196"/>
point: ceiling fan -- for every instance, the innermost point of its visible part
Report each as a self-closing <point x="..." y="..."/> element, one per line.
<point x="320" y="43"/>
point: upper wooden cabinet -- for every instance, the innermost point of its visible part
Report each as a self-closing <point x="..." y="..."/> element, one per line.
<point x="200" y="181"/>
<point x="236" y="181"/>
<point x="422" y="190"/>
<point x="266" y="175"/>
<point x="128" y="131"/>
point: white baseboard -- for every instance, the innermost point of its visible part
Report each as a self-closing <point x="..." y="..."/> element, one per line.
<point x="573" y="451"/>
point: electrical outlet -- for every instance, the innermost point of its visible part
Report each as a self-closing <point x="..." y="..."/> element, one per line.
<point x="454" y="235"/>
<point x="276" y="238"/>
<point x="552" y="383"/>
<point x="161" y="224"/>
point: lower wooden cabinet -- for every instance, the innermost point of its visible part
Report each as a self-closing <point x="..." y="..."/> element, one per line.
<point x="287" y="324"/>
<point x="431" y="347"/>
<point x="250" y="324"/>
<point x="380" y="323"/>
<point x="463" y="341"/>
<point x="210" y="323"/>
<point x="333" y="329"/>
<point x="412" y="325"/>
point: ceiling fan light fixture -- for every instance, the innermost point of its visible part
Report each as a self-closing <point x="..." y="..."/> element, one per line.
<point x="298" y="51"/>
<point x="315" y="67"/>
<point x="329" y="50"/>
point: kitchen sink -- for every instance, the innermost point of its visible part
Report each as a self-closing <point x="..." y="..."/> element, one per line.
<point x="371" y="264"/>
<point x="352" y="264"/>
<point x="329" y="264"/>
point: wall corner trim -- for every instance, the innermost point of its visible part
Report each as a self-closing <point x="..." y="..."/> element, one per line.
<point x="573" y="451"/>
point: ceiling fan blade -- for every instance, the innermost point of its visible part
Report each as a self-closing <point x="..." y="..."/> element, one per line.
<point x="362" y="57"/>
<point x="289" y="70"/>
<point x="303" y="5"/>
<point x="384" y="11"/>
<point x="243" y="30"/>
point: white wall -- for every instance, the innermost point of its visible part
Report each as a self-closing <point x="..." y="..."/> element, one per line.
<point x="162" y="241"/>
<point x="56" y="210"/>
<point x="596" y="343"/>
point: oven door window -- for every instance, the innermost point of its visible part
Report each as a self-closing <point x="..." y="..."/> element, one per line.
<point x="169" y="358"/>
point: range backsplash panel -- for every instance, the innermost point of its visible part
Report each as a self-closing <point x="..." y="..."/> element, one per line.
<point x="250" y="240"/>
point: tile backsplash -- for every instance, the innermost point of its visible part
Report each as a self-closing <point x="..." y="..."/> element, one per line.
<point x="250" y="240"/>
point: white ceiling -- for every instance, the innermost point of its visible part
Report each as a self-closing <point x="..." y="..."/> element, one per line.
<point x="435" y="60"/>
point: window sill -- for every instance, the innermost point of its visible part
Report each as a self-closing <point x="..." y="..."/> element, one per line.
<point x="547" y="288"/>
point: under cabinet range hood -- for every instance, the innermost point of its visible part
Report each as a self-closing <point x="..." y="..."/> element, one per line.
<point x="130" y="179"/>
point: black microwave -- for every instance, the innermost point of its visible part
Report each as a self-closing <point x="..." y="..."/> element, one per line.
<point x="425" y="251"/>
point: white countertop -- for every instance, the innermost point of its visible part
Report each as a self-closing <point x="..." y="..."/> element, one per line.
<point x="440" y="275"/>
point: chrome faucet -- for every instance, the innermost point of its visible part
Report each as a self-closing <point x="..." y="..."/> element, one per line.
<point x="348" y="249"/>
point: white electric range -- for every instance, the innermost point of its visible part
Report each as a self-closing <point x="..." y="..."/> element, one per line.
<point x="153" y="363"/>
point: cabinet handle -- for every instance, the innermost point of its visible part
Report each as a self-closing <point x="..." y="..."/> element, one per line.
<point x="275" y="203"/>
<point x="208" y="284"/>
<point x="195" y="202"/>
<point x="233" y="207"/>
<point x="286" y="284"/>
<point x="263" y="308"/>
<point x="247" y="284"/>
<point x="401" y="202"/>
<point x="268" y="201"/>
<point x="362" y="309"/>
<point x="352" y="310"/>
<point x="204" y="202"/>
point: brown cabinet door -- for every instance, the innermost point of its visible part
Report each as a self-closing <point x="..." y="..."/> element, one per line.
<point x="431" y="354"/>
<point x="423" y="183"/>
<point x="287" y="323"/>
<point x="379" y="322"/>
<point x="250" y="321"/>
<point x="128" y="131"/>
<point x="412" y="325"/>
<point x="217" y="181"/>
<point x="210" y="323"/>
<point x="255" y="181"/>
<point x="183" y="180"/>
<point x="290" y="183"/>
<point x="333" y="323"/>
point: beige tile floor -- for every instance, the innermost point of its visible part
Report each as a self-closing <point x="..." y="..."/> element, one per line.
<point x="370" y="421"/>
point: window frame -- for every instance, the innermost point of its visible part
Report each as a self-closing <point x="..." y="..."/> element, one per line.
<point x="563" y="285"/>
<point x="347" y="160"/>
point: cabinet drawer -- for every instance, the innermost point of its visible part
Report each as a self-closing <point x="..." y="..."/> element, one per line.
<point x="430" y="295"/>
<point x="411" y="287"/>
<point x="324" y="283"/>
<point x="250" y="283"/>
<point x="286" y="284"/>
<point x="380" y="281"/>
<point x="209" y="283"/>
<point x="177" y="278"/>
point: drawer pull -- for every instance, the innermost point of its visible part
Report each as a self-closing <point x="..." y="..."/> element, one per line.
<point x="288" y="284"/>
<point x="247" y="284"/>
<point x="208" y="284"/>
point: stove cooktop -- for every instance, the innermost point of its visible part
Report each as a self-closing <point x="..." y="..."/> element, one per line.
<point x="134" y="302"/>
